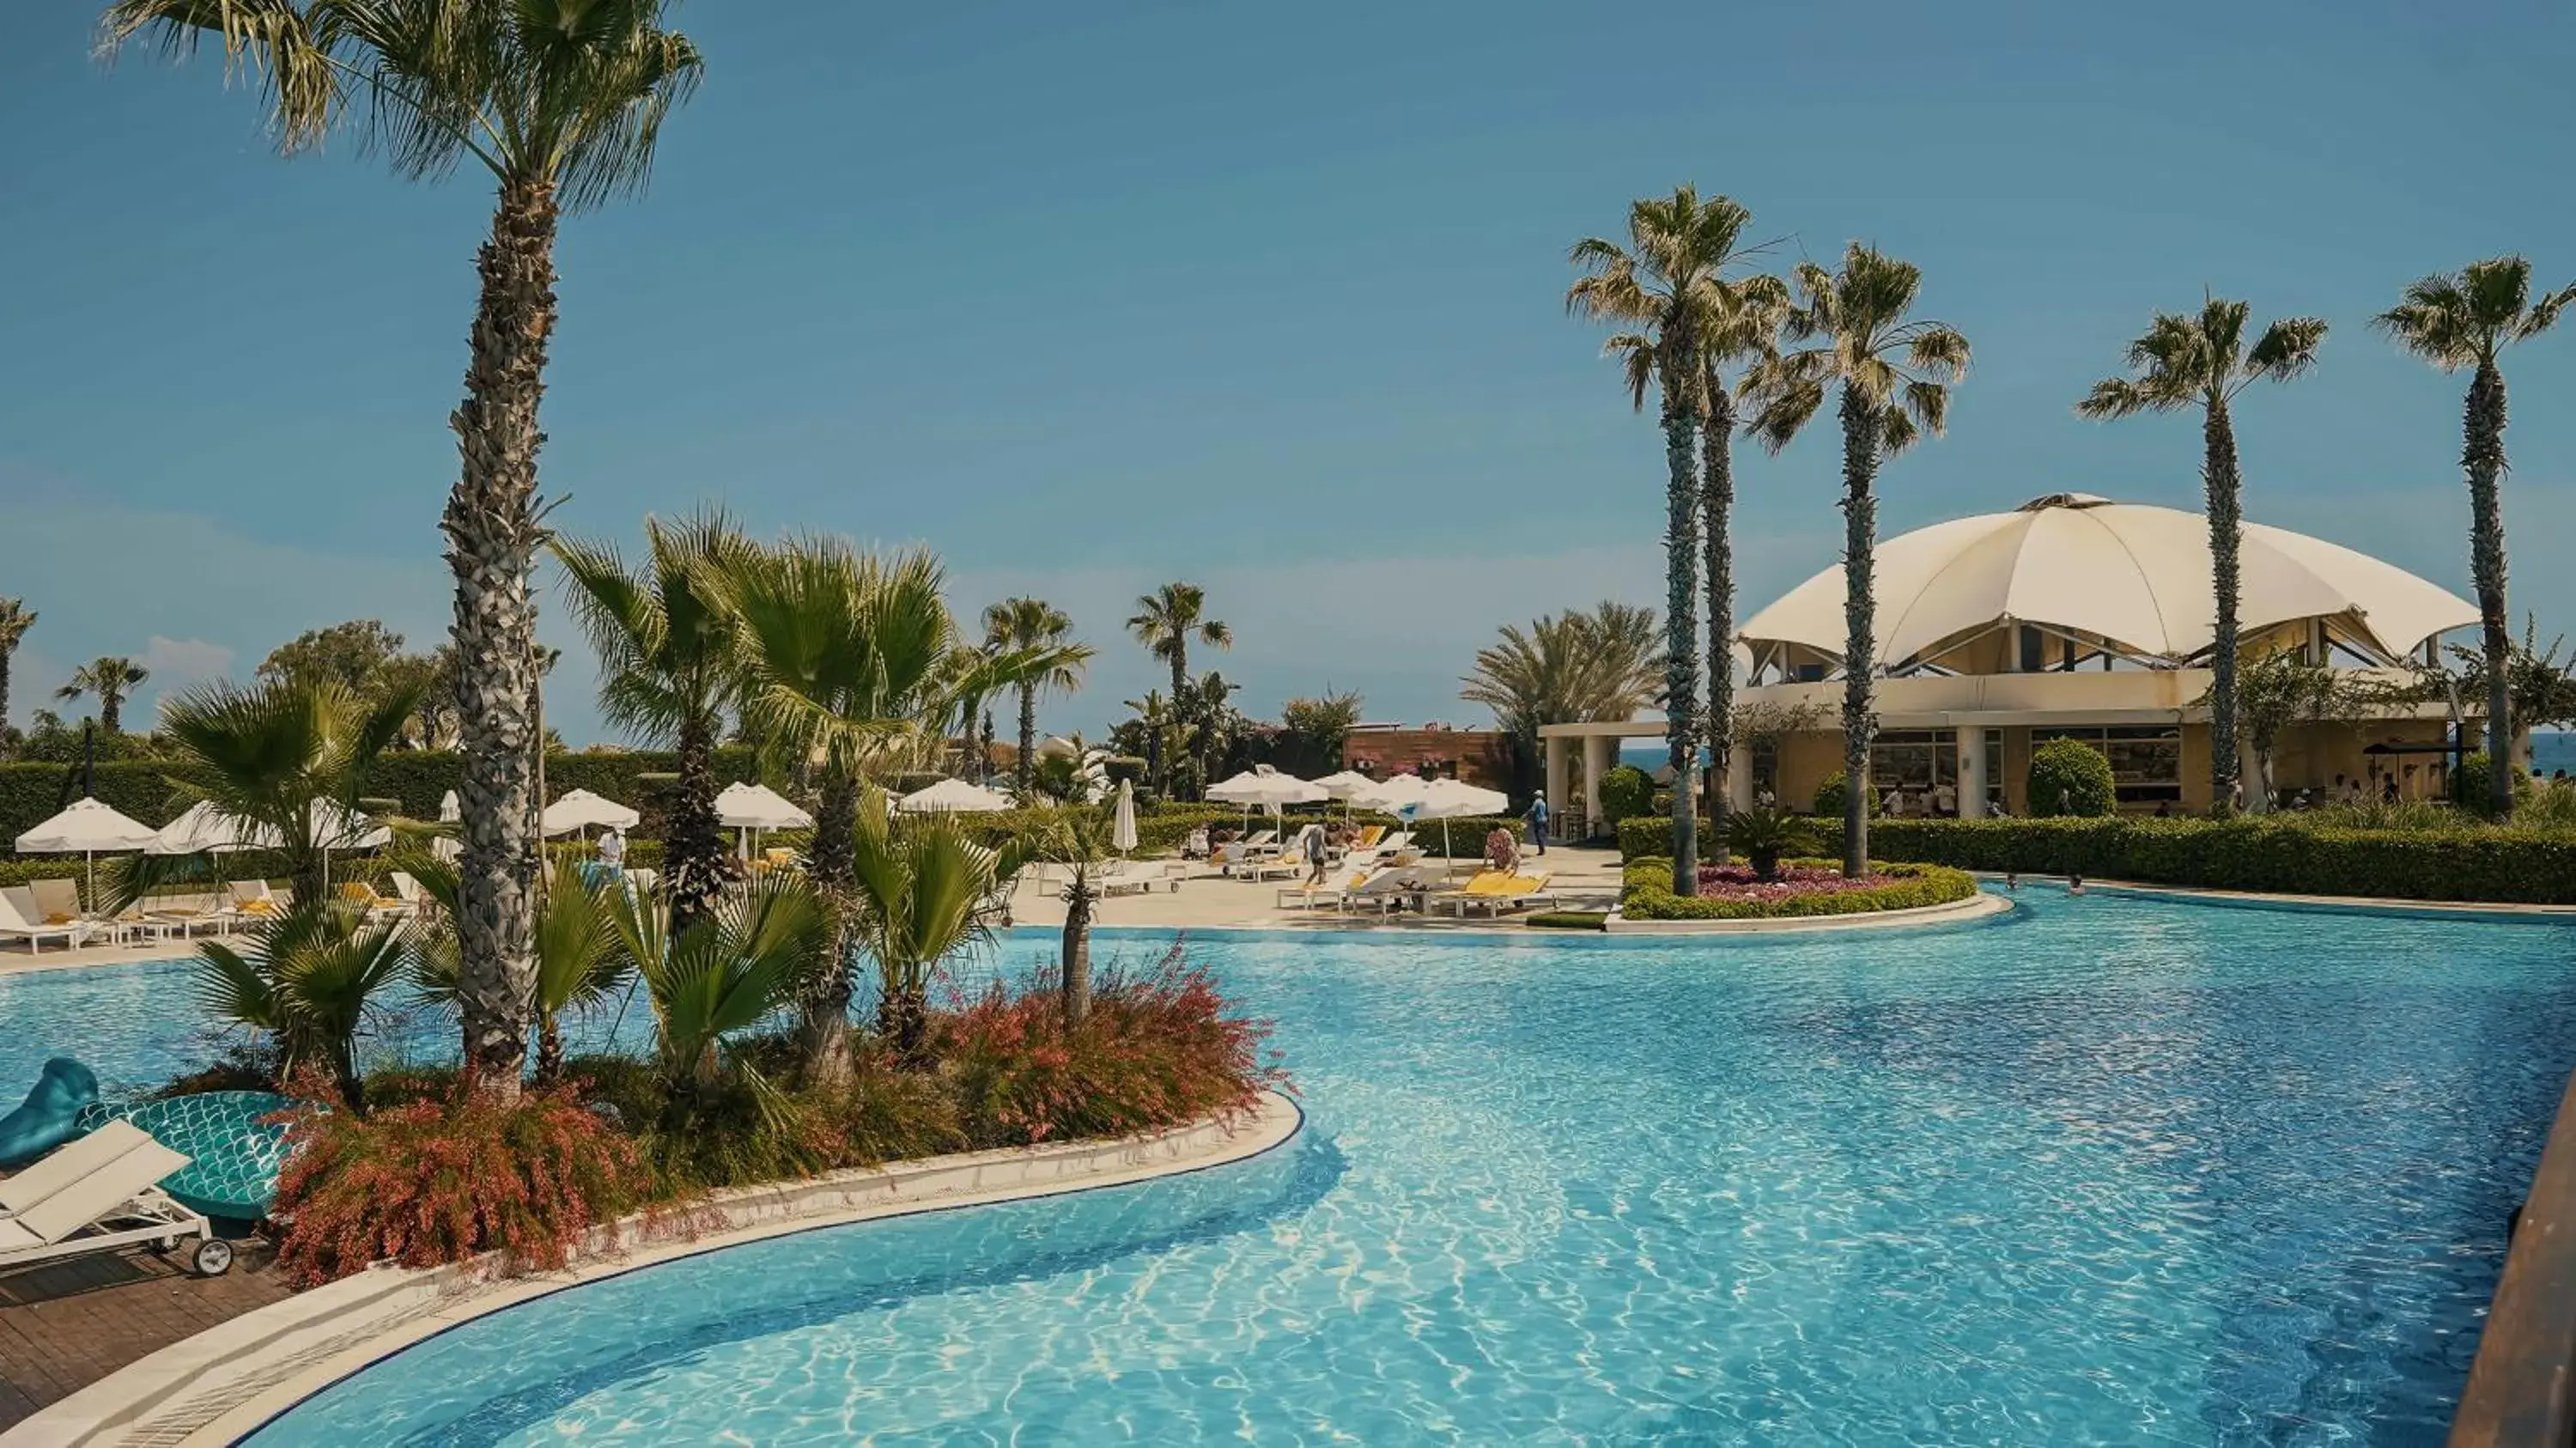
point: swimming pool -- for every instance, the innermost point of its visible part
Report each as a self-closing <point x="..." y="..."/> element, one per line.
<point x="2109" y="1170"/>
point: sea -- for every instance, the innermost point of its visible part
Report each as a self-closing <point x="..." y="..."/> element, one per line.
<point x="2551" y="750"/>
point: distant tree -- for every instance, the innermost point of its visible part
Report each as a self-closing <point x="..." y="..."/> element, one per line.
<point x="1311" y="731"/>
<point x="15" y="619"/>
<point x="111" y="678"/>
<point x="1031" y="623"/>
<point x="1894" y="373"/>
<point x="1567" y="668"/>
<point x="2466" y="319"/>
<point x="350" y="654"/>
<point x="1166" y="622"/>
<point x="2540" y="686"/>
<point x="430" y="678"/>
<point x="2282" y="690"/>
<point x="2202" y="361"/>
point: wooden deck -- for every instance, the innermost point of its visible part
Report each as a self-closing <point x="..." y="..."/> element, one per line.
<point x="65" y="1326"/>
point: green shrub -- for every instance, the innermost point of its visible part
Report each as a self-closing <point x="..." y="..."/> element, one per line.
<point x="1626" y="793"/>
<point x="2470" y="783"/>
<point x="1646" y="893"/>
<point x="2070" y="778"/>
<point x="2267" y="853"/>
<point x="1831" y="795"/>
<point x="1567" y="920"/>
<point x="1653" y="835"/>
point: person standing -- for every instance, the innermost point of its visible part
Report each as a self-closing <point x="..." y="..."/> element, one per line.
<point x="1537" y="817"/>
<point x="1312" y="842"/>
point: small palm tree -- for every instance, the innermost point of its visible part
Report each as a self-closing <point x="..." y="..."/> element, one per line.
<point x="1079" y="841"/>
<point x="1034" y="623"/>
<point x="561" y="101"/>
<point x="111" y="678"/>
<point x="925" y="889"/>
<point x="1894" y="373"/>
<point x="579" y="957"/>
<point x="1154" y="720"/>
<point x="307" y="979"/>
<point x="666" y="671"/>
<point x="15" y="619"/>
<point x="2202" y="361"/>
<point x="1668" y="283"/>
<point x="733" y="968"/>
<point x="2466" y="319"/>
<point x="1165" y="622"/>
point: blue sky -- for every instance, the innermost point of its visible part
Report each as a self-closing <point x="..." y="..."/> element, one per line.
<point x="1265" y="297"/>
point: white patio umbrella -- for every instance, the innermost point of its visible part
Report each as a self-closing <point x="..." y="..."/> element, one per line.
<point x="748" y="808"/>
<point x="1348" y="785"/>
<point x="952" y="796"/>
<point x="1439" y="799"/>
<point x="1122" y="830"/>
<point x="580" y="810"/>
<point x="1267" y="788"/>
<point x="201" y="829"/>
<point x="85" y="829"/>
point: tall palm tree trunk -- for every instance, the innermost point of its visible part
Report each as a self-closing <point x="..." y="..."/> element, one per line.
<point x="1025" y="775"/>
<point x="1077" y="947"/>
<point x="492" y="532"/>
<point x="832" y="863"/>
<point x="1681" y="632"/>
<point x="7" y="657"/>
<point x="2482" y="457"/>
<point x="694" y="853"/>
<point x="1182" y="764"/>
<point x="1860" y="623"/>
<point x="111" y="711"/>
<point x="1717" y="509"/>
<point x="2225" y="493"/>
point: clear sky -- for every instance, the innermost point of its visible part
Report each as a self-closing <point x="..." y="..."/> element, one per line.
<point x="1268" y="297"/>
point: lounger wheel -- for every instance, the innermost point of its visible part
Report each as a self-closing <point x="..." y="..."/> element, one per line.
<point x="213" y="1257"/>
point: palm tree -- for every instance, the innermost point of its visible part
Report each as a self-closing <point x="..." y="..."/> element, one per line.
<point x="111" y="678"/>
<point x="561" y="101"/>
<point x="1154" y="721"/>
<point x="1894" y="374"/>
<point x="1667" y="284"/>
<point x="921" y="885"/>
<point x="2184" y="361"/>
<point x="738" y="964"/>
<point x="579" y="959"/>
<point x="306" y="978"/>
<point x="15" y="619"/>
<point x="666" y="671"/>
<point x="854" y="666"/>
<point x="2464" y="319"/>
<point x="1079" y="841"/>
<point x="1566" y="668"/>
<point x="288" y="759"/>
<point x="1032" y="623"/>
<point x="1165" y="622"/>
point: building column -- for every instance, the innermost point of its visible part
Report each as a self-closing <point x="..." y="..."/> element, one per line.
<point x="1972" y="773"/>
<point x="1597" y="754"/>
<point x="1553" y="781"/>
<point x="1739" y="777"/>
<point x="2258" y="793"/>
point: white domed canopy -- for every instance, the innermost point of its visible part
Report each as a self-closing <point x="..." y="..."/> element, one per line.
<point x="2133" y="576"/>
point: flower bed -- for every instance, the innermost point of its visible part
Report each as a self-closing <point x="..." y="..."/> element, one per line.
<point x="1804" y="888"/>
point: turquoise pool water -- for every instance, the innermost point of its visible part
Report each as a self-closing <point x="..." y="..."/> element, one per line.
<point x="2110" y="1170"/>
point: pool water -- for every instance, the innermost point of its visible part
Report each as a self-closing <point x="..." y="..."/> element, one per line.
<point x="2107" y="1170"/>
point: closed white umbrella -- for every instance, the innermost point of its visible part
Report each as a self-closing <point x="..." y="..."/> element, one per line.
<point x="449" y="811"/>
<point x="952" y="796"/>
<point x="85" y="829"/>
<point x="1122" y="830"/>
<point x="580" y="810"/>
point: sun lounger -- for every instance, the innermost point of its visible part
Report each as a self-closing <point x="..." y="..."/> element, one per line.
<point x="21" y="920"/>
<point x="1140" y="876"/>
<point x="1289" y="865"/>
<point x="1388" y="889"/>
<point x="105" y="1196"/>
<point x="1337" y="882"/>
<point x="253" y="900"/>
<point x="359" y="895"/>
<point x="1494" y="891"/>
<point x="58" y="902"/>
<point x="187" y="919"/>
<point x="407" y="889"/>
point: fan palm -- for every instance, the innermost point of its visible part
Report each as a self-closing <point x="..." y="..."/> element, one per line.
<point x="666" y="670"/>
<point x="2466" y="319"/>
<point x="853" y="664"/>
<point x="579" y="957"/>
<point x="1894" y="374"/>
<point x="1165" y="622"/>
<point x="1566" y="668"/>
<point x="15" y="619"/>
<point x="2203" y="361"/>
<point x="1033" y="623"/>
<point x="109" y="677"/>
<point x="306" y="978"/>
<point x="1078" y="840"/>
<point x="561" y="101"/>
<point x="1667" y="283"/>
<point x="922" y="886"/>
<point x="288" y="759"/>
<point x="734" y="967"/>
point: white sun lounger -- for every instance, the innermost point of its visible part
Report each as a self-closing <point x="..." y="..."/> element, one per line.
<point x="21" y="920"/>
<point x="105" y="1197"/>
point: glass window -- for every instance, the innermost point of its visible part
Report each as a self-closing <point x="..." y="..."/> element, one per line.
<point x="2146" y="759"/>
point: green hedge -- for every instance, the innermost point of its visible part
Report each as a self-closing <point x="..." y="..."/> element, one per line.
<point x="2071" y="777"/>
<point x="1646" y="893"/>
<point x="2255" y="853"/>
<point x="1653" y="835"/>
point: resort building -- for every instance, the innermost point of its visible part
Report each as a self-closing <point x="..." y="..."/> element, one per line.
<point x="2069" y="617"/>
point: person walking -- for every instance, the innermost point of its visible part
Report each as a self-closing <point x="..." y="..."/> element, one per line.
<point x="1312" y="841"/>
<point x="1538" y="822"/>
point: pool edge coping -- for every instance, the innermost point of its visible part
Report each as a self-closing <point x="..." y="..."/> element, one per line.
<point x="222" y="1384"/>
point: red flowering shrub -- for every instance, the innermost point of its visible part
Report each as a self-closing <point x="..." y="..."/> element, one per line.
<point x="1155" y="1050"/>
<point x="430" y="1182"/>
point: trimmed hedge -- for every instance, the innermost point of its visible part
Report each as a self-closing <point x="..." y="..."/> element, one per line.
<point x="2071" y="777"/>
<point x="1646" y="894"/>
<point x="1628" y="791"/>
<point x="1653" y="835"/>
<point x="2258" y="853"/>
<point x="1567" y="920"/>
